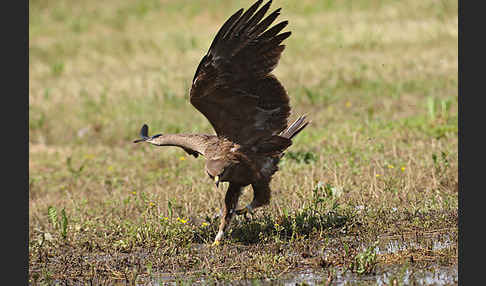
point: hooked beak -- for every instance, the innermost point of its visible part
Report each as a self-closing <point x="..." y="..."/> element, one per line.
<point x="216" y="181"/>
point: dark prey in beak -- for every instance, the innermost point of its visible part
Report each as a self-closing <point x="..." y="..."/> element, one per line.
<point x="144" y="134"/>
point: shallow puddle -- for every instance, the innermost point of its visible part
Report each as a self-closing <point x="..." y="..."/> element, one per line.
<point x="430" y="241"/>
<point x="436" y="275"/>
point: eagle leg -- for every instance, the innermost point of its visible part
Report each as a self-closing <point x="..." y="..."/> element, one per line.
<point x="261" y="194"/>
<point x="261" y="197"/>
<point x="230" y="201"/>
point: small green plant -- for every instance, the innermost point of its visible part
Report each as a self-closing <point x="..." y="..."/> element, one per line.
<point x="438" y="107"/>
<point x="306" y="157"/>
<point x="346" y="248"/>
<point x="57" y="68"/>
<point x="440" y="164"/>
<point x="149" y="267"/>
<point x="169" y="208"/>
<point x="72" y="170"/>
<point x="399" y="277"/>
<point x="37" y="120"/>
<point x="46" y="276"/>
<point x="47" y="93"/>
<point x="324" y="197"/>
<point x="313" y="97"/>
<point x="52" y="215"/>
<point x="365" y="261"/>
<point x="64" y="224"/>
<point x="59" y="223"/>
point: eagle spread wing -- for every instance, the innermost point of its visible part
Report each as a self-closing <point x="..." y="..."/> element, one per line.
<point x="233" y="85"/>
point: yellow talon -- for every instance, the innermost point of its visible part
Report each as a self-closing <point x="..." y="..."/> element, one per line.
<point x="216" y="243"/>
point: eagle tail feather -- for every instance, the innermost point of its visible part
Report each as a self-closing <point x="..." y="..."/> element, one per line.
<point x="294" y="128"/>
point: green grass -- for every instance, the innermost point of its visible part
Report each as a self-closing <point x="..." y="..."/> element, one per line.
<point x="378" y="79"/>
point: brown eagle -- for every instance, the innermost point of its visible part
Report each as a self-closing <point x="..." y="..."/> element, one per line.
<point x="246" y="105"/>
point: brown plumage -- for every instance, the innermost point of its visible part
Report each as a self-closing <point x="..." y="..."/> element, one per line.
<point x="246" y="105"/>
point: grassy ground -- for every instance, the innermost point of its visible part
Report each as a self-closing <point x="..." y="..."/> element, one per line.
<point x="379" y="160"/>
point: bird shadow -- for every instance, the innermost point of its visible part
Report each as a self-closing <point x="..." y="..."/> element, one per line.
<point x="285" y="228"/>
<point x="321" y="213"/>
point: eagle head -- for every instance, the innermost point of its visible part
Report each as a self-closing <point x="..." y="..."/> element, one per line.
<point x="219" y="169"/>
